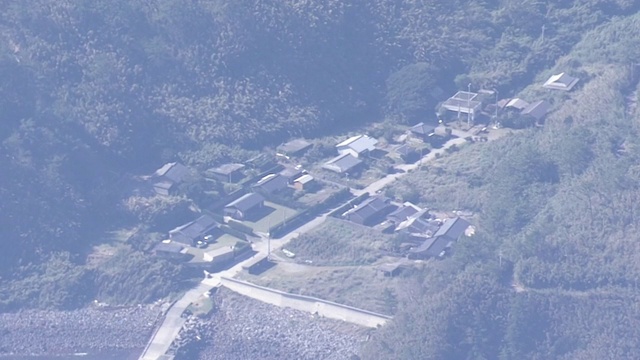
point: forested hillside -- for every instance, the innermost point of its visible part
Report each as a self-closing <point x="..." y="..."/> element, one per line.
<point x="94" y="91"/>
<point x="553" y="273"/>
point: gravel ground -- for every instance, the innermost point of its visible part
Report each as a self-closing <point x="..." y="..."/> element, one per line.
<point x="38" y="332"/>
<point x="242" y="328"/>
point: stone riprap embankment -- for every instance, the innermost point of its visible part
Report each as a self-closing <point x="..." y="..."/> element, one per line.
<point x="243" y="328"/>
<point x="41" y="332"/>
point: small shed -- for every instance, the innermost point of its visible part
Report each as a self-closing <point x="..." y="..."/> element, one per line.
<point x="390" y="270"/>
<point x="304" y="182"/>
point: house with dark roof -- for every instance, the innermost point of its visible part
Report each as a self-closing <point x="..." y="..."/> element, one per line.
<point x="291" y="173"/>
<point x="418" y="223"/>
<point x="370" y="211"/>
<point x="560" y="81"/>
<point x="357" y="146"/>
<point x="295" y="147"/>
<point x="422" y="130"/>
<point x="193" y="231"/>
<point x="171" y="250"/>
<point x="403" y="212"/>
<point x="231" y="173"/>
<point x="517" y="104"/>
<point x="344" y="164"/>
<point x="431" y="247"/>
<point x="408" y="153"/>
<point x="452" y="229"/>
<point x="166" y="179"/>
<point x="537" y="110"/>
<point x="271" y="184"/>
<point x="244" y="206"/>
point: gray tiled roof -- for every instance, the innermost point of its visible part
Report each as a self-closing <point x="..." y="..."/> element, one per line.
<point x="246" y="202"/>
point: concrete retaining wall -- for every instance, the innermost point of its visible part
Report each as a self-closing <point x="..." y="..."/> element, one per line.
<point x="309" y="304"/>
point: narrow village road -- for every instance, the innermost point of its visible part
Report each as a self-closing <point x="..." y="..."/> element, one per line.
<point x="173" y="321"/>
<point x="406" y="168"/>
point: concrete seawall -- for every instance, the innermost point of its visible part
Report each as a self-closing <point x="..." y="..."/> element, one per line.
<point x="308" y="304"/>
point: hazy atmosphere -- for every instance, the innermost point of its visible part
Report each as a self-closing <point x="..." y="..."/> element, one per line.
<point x="319" y="179"/>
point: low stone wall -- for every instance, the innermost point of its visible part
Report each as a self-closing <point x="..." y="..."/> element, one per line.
<point x="309" y="304"/>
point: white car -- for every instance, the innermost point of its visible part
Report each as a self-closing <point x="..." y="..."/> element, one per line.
<point x="288" y="253"/>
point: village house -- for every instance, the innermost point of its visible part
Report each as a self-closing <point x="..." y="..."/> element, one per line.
<point x="560" y="81"/>
<point x="171" y="250"/>
<point x="244" y="206"/>
<point x="193" y="231"/>
<point x="408" y="153"/>
<point x="434" y="246"/>
<point x="344" y="164"/>
<point x="295" y="147"/>
<point x="403" y="212"/>
<point x="453" y="229"/>
<point x="271" y="184"/>
<point x="357" y="146"/>
<point x="516" y="104"/>
<point x="228" y="172"/>
<point x="422" y="131"/>
<point x="418" y="223"/>
<point x="291" y="173"/>
<point x="537" y="110"/>
<point x="166" y="179"/>
<point x="370" y="211"/>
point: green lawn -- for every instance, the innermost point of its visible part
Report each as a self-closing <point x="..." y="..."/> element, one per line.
<point x="276" y="214"/>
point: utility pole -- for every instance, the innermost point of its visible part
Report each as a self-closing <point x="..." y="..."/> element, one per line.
<point x="469" y="106"/>
<point x="269" y="242"/>
<point x="497" y="103"/>
<point x="495" y="120"/>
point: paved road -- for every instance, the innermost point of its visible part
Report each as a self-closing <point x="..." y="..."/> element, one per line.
<point x="406" y="168"/>
<point x="173" y="321"/>
<point x="172" y="324"/>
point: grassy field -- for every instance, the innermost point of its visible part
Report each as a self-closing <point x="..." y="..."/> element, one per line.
<point x="359" y="286"/>
<point x="340" y="243"/>
<point x="276" y="213"/>
<point x="448" y="182"/>
<point x="312" y="198"/>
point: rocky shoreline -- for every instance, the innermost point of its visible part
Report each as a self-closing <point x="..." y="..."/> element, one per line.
<point x="243" y="328"/>
<point x="90" y="330"/>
